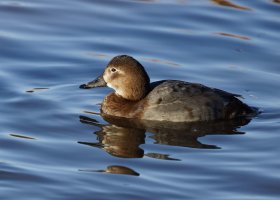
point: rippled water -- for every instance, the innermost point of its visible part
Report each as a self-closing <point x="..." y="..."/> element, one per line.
<point x="53" y="146"/>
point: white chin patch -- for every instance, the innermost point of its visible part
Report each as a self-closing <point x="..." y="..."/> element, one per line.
<point x="119" y="92"/>
<point x="109" y="85"/>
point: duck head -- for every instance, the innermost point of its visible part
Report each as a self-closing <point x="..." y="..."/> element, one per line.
<point x="126" y="76"/>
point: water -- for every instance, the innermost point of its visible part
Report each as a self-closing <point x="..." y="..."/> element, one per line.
<point x="50" y="149"/>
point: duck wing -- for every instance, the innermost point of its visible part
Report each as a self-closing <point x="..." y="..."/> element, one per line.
<point x="193" y="102"/>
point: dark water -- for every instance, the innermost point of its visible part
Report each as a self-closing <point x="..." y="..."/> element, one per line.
<point x="50" y="149"/>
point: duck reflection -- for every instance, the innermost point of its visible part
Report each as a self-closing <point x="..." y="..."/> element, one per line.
<point x="117" y="141"/>
<point x="123" y="137"/>
<point x="160" y="156"/>
<point x="115" y="169"/>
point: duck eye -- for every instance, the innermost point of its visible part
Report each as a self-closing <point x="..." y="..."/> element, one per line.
<point x="113" y="69"/>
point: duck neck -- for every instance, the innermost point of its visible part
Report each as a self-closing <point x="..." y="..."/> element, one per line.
<point x="134" y="92"/>
<point x="116" y="105"/>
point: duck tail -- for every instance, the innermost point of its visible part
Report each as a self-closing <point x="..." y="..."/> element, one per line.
<point x="237" y="108"/>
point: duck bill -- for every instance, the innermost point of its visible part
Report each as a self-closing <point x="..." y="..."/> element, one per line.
<point x="98" y="82"/>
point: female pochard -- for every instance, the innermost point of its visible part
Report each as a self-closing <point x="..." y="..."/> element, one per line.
<point x="168" y="100"/>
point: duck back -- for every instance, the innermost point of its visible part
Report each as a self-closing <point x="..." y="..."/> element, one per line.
<point x="180" y="101"/>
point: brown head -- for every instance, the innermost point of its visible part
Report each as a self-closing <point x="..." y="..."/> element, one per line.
<point x="126" y="76"/>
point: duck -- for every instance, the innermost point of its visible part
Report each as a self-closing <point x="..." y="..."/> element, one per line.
<point x="134" y="97"/>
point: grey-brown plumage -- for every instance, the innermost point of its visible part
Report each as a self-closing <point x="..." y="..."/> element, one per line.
<point x="194" y="102"/>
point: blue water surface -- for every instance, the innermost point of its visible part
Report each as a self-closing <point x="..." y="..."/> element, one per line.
<point x="54" y="146"/>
